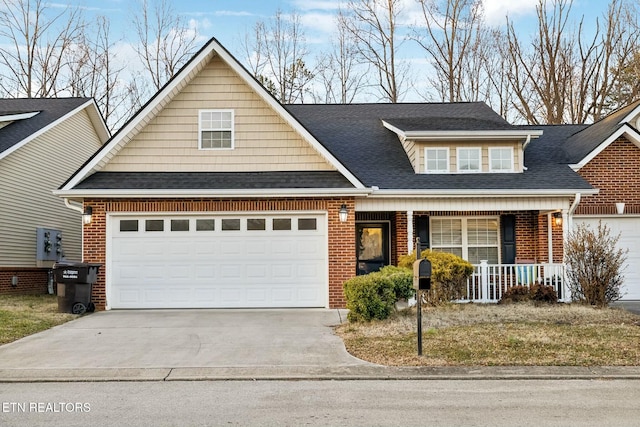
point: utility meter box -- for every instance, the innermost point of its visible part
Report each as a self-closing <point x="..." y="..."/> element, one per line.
<point x="422" y="275"/>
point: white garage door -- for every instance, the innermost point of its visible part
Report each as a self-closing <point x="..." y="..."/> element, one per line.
<point x="629" y="230"/>
<point x="213" y="261"/>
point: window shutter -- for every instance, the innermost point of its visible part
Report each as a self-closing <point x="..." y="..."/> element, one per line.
<point x="508" y="232"/>
<point x="422" y="231"/>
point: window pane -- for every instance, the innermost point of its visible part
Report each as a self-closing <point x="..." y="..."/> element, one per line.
<point x="455" y="251"/>
<point x="482" y="231"/>
<point x="282" y="223"/>
<point x="128" y="225"/>
<point x="446" y="231"/>
<point x="179" y="225"/>
<point x="307" y="224"/>
<point x="469" y="159"/>
<point x="436" y="159"/>
<point x="216" y="139"/>
<point x="205" y="224"/>
<point x="154" y="225"/>
<point x="501" y="159"/>
<point x="230" y="224"/>
<point x="478" y="254"/>
<point x="256" y="224"/>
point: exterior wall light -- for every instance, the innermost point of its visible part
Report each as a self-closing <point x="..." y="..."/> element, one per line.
<point x="344" y="213"/>
<point x="557" y="218"/>
<point x="87" y="215"/>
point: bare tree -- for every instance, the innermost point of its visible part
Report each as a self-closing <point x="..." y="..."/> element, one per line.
<point x="94" y="72"/>
<point x="374" y="26"/>
<point x="340" y="72"/>
<point x="456" y="43"/>
<point x="166" y="42"/>
<point x="35" y="45"/>
<point x="561" y="76"/>
<point x="277" y="54"/>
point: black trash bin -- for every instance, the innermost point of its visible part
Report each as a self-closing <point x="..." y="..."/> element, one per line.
<point x="75" y="280"/>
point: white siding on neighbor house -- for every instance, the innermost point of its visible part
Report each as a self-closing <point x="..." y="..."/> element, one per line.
<point x="27" y="178"/>
<point x="262" y="141"/>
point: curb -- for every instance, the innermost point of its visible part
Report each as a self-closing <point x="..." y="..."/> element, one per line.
<point x="320" y="373"/>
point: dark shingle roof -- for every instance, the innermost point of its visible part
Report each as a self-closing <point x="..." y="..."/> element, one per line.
<point x="214" y="180"/>
<point x="579" y="145"/>
<point x="49" y="110"/>
<point x="354" y="134"/>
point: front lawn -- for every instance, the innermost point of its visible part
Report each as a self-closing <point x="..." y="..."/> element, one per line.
<point x="22" y="315"/>
<point x="515" y="334"/>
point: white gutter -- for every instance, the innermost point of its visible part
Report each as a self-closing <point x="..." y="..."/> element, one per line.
<point x="448" y="193"/>
<point x="71" y="205"/>
<point x="164" y="193"/>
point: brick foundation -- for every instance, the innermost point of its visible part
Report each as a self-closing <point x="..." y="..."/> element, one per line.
<point x="31" y="281"/>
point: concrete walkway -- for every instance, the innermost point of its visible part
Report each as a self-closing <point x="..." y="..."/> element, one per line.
<point x="165" y="345"/>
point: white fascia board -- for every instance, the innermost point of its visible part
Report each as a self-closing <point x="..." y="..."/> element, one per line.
<point x="45" y="129"/>
<point x="478" y="192"/>
<point x="162" y="193"/>
<point x="18" y="116"/>
<point x="395" y="130"/>
<point x="625" y="130"/>
<point x="98" y="121"/>
<point x="477" y="135"/>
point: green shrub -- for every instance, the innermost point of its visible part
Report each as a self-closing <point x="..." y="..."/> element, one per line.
<point x="369" y="297"/>
<point x="402" y="279"/>
<point x="449" y="274"/>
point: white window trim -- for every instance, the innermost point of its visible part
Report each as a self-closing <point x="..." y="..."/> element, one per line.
<point x="448" y="160"/>
<point x="478" y="149"/>
<point x="200" y="128"/>
<point x="494" y="149"/>
<point x="465" y="234"/>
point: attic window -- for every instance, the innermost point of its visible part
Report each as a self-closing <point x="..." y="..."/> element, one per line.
<point x="215" y="129"/>
<point x="469" y="159"/>
<point x="436" y="160"/>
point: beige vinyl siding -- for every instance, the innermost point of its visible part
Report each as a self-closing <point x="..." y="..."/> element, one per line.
<point x="262" y="141"/>
<point x="27" y="178"/>
<point x="453" y="146"/>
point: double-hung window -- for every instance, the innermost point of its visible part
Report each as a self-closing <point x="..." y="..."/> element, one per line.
<point x="469" y="159"/>
<point x="501" y="159"/>
<point x="215" y="129"/>
<point x="474" y="239"/>
<point x="436" y="160"/>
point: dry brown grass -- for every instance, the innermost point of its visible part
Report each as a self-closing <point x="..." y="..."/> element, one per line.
<point x="27" y="314"/>
<point x="516" y="334"/>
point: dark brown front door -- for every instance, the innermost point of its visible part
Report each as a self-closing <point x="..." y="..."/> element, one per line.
<point x="372" y="249"/>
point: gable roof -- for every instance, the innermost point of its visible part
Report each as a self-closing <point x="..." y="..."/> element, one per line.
<point x="171" y="89"/>
<point x="586" y="143"/>
<point x="355" y="133"/>
<point x="29" y="117"/>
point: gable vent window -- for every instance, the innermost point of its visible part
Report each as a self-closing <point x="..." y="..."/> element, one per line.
<point x="216" y="129"/>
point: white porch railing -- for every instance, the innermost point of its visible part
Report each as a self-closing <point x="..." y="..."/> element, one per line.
<point x="490" y="281"/>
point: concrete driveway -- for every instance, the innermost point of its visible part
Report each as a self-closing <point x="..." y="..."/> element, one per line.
<point x="135" y="343"/>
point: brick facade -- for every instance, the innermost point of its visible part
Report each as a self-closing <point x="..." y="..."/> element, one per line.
<point x="342" y="255"/>
<point x="621" y="186"/>
<point x="30" y="281"/>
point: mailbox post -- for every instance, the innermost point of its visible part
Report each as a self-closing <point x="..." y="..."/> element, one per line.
<point x="421" y="282"/>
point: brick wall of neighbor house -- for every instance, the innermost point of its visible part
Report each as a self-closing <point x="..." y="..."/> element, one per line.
<point x="31" y="281"/>
<point x="615" y="173"/>
<point x="342" y="256"/>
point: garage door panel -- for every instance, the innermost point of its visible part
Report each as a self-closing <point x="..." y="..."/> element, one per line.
<point x="216" y="267"/>
<point x="629" y="230"/>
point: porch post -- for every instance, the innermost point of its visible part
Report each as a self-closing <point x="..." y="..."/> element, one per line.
<point x="410" y="245"/>
<point x="550" y="237"/>
<point x="484" y="280"/>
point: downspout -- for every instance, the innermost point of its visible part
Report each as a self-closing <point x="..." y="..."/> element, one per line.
<point x="73" y="206"/>
<point x="572" y="209"/>
<point x="77" y="207"/>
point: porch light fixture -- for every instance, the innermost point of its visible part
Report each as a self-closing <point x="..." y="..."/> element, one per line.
<point x="557" y="218"/>
<point x="87" y="214"/>
<point x="344" y="213"/>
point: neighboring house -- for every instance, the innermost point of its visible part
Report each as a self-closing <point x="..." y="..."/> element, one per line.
<point x="216" y="195"/>
<point x="42" y="142"/>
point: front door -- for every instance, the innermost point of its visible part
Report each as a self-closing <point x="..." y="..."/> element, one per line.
<point x="373" y="246"/>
